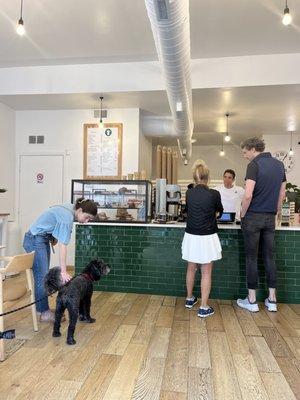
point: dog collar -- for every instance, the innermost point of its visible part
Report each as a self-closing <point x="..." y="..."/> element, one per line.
<point x="88" y="277"/>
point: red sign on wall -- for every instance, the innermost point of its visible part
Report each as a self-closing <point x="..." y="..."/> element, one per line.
<point x="39" y="178"/>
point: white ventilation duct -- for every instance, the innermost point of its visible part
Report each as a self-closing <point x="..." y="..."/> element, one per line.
<point x="171" y="30"/>
<point x="157" y="126"/>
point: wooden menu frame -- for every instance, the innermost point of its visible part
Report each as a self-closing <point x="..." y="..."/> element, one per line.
<point x="95" y="150"/>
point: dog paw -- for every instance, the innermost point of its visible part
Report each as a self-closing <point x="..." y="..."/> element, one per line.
<point x="71" y="341"/>
<point x="56" y="334"/>
<point x="91" y="320"/>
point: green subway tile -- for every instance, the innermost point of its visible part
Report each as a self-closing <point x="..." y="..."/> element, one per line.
<point x="148" y="260"/>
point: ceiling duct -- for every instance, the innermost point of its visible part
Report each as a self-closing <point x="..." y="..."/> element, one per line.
<point x="157" y="126"/>
<point x="171" y="30"/>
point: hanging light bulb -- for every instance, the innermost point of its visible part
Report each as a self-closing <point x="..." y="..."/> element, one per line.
<point x="291" y="152"/>
<point x="287" y="18"/>
<point x="20" y="27"/>
<point x="227" y="136"/>
<point x="101" y="124"/>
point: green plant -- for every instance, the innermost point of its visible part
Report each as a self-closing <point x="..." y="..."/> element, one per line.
<point x="2" y="190"/>
<point x="293" y="194"/>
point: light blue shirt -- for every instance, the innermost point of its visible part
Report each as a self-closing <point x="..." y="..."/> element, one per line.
<point x="57" y="221"/>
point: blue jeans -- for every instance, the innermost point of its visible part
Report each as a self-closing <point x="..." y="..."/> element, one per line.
<point x="39" y="244"/>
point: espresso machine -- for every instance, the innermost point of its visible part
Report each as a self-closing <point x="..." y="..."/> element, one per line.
<point x="167" y="201"/>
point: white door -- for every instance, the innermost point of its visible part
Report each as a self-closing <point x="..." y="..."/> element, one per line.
<point x="40" y="186"/>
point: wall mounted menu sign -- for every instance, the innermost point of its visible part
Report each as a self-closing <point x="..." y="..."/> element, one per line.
<point x="102" y="151"/>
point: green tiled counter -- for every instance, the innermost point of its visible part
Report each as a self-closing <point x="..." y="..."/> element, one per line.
<point x="147" y="259"/>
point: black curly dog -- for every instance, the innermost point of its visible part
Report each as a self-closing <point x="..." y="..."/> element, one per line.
<point x="75" y="296"/>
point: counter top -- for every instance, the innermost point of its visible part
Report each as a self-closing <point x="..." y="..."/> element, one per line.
<point x="182" y="225"/>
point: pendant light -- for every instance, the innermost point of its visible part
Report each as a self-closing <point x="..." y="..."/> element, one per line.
<point x="20" y="27"/>
<point x="287" y="18"/>
<point x="222" y="152"/>
<point x="291" y="152"/>
<point x="101" y="124"/>
<point x="227" y="137"/>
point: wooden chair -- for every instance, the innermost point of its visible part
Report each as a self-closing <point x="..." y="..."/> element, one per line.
<point x="11" y="291"/>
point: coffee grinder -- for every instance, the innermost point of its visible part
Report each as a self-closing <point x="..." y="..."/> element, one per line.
<point x="167" y="200"/>
<point x="173" y="201"/>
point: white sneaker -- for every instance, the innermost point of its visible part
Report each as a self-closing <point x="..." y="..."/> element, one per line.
<point x="271" y="305"/>
<point x="245" y="303"/>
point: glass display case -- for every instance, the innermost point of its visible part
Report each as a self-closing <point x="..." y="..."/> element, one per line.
<point x="118" y="201"/>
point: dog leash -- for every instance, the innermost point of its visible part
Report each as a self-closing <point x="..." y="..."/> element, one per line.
<point x="10" y="334"/>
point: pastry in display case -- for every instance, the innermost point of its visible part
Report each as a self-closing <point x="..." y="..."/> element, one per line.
<point x="118" y="201"/>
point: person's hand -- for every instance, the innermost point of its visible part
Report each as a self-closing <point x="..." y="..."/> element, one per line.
<point x="53" y="241"/>
<point x="278" y="219"/>
<point x="65" y="277"/>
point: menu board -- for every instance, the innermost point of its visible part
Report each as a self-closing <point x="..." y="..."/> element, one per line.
<point x="102" y="151"/>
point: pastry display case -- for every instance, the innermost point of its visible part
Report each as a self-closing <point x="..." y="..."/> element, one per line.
<point x="118" y="201"/>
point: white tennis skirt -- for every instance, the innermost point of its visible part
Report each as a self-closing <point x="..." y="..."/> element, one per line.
<point x="201" y="249"/>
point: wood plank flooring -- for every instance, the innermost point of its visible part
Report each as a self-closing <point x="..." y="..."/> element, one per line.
<point x="153" y="348"/>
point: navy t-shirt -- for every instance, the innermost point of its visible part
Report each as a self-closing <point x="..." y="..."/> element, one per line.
<point x="268" y="173"/>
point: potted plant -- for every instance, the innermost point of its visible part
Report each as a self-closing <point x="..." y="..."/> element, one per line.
<point x="293" y="194"/>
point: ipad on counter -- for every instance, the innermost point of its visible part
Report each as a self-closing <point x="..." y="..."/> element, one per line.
<point x="226" y="218"/>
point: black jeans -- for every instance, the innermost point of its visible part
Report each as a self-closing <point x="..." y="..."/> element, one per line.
<point x="256" y="226"/>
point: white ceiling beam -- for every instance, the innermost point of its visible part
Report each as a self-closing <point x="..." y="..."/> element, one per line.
<point x="275" y="69"/>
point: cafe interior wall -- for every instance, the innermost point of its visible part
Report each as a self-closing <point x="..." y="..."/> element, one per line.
<point x="232" y="159"/>
<point x="7" y="159"/>
<point x="276" y="143"/>
<point x="145" y="153"/>
<point x="63" y="132"/>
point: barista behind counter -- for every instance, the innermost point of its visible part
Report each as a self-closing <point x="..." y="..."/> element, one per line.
<point x="231" y="195"/>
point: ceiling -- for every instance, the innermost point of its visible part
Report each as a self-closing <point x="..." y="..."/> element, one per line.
<point x="252" y="110"/>
<point x="68" y="31"/>
<point x="90" y="31"/>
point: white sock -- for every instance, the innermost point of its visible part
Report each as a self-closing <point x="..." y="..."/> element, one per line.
<point x="190" y="298"/>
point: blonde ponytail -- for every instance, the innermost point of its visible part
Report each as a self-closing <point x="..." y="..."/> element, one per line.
<point x="200" y="172"/>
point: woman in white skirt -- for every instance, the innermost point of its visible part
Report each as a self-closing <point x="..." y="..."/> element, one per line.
<point x="201" y="244"/>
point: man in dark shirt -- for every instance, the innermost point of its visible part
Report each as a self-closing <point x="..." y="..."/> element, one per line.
<point x="264" y="193"/>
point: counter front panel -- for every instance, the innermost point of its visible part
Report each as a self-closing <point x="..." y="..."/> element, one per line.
<point x="147" y="259"/>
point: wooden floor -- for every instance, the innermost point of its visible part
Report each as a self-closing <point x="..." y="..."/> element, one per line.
<point x="151" y="347"/>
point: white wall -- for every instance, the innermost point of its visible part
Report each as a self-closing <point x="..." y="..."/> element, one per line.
<point x="63" y="131"/>
<point x="282" y="142"/>
<point x="7" y="159"/>
<point x="145" y="153"/>
<point x="233" y="159"/>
